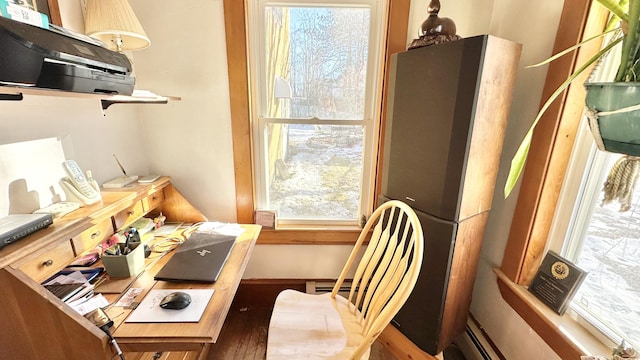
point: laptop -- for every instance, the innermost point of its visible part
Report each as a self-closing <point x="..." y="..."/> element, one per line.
<point x="16" y="226"/>
<point x="199" y="259"/>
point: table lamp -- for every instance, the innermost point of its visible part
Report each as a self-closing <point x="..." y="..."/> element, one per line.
<point x="114" y="23"/>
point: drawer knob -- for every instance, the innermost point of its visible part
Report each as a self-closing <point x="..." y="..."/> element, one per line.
<point x="47" y="263"/>
<point x="130" y="213"/>
<point x="95" y="234"/>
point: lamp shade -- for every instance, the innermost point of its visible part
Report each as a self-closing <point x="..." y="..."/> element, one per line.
<point x="114" y="23"/>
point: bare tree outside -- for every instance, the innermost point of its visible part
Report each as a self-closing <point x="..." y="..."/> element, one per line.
<point x="317" y="172"/>
<point x="329" y="59"/>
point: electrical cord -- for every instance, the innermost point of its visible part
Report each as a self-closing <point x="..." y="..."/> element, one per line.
<point x="114" y="343"/>
<point x="166" y="245"/>
<point x="100" y="318"/>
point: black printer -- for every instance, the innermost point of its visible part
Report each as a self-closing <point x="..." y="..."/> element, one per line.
<point x="31" y="56"/>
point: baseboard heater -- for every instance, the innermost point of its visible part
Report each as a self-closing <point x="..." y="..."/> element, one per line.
<point x="474" y="345"/>
<point x="319" y="287"/>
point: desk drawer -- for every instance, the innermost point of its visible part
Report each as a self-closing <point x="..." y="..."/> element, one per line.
<point x="152" y="201"/>
<point x="129" y="215"/>
<point x="41" y="265"/>
<point x="93" y="236"/>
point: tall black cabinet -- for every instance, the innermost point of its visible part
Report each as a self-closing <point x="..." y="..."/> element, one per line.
<point x="447" y="112"/>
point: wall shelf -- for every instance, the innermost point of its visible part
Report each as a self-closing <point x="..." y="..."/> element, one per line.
<point x="136" y="99"/>
<point x="17" y="93"/>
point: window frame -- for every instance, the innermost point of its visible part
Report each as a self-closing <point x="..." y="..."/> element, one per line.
<point x="369" y="121"/>
<point x="542" y="179"/>
<point x="580" y="196"/>
<point x="237" y="62"/>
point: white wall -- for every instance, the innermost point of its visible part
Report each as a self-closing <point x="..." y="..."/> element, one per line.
<point x="190" y="140"/>
<point x="88" y="137"/>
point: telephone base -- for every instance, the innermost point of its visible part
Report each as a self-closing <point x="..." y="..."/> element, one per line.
<point x="119" y="182"/>
<point x="58" y="209"/>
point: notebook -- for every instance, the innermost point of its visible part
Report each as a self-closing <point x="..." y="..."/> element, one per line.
<point x="199" y="259"/>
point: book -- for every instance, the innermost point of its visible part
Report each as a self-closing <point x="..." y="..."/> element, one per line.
<point x="89" y="274"/>
<point x="556" y="282"/>
<point x="64" y="291"/>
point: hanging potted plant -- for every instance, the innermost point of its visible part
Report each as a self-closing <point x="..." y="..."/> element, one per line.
<point x="613" y="108"/>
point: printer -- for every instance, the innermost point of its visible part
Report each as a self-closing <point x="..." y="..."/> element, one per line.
<point x="31" y="56"/>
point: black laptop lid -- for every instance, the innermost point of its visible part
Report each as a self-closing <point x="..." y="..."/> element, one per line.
<point x="199" y="259"/>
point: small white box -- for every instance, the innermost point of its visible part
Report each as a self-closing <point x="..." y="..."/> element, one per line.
<point x="266" y="218"/>
<point x="120" y="182"/>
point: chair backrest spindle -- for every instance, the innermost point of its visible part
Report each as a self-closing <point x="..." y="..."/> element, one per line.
<point x="388" y="269"/>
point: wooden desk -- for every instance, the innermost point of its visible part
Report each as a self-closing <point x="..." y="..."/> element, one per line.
<point x="146" y="337"/>
<point x="34" y="324"/>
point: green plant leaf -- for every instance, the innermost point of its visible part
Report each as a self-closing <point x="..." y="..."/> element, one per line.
<point x="570" y="49"/>
<point x="629" y="45"/>
<point x="518" y="161"/>
<point x="618" y="9"/>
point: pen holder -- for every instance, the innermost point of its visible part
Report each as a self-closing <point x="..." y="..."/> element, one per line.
<point x="122" y="266"/>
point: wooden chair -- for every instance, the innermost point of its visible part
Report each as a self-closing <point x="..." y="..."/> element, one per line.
<point x="330" y="326"/>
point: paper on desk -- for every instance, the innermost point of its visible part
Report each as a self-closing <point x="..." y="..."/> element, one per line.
<point x="149" y="309"/>
<point x="97" y="301"/>
<point x="214" y="227"/>
<point x="129" y="297"/>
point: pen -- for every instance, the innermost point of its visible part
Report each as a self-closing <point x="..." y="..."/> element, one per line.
<point x="119" y="164"/>
<point x="100" y="281"/>
<point x="126" y="249"/>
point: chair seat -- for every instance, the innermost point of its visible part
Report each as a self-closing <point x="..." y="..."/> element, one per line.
<point x="310" y="326"/>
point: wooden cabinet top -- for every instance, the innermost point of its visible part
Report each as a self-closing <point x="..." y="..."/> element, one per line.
<point x="72" y="224"/>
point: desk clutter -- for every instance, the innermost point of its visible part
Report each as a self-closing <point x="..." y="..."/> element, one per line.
<point x="72" y="251"/>
<point x="77" y="288"/>
<point x="116" y="263"/>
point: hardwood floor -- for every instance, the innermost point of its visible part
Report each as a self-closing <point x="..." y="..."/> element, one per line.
<point x="244" y="336"/>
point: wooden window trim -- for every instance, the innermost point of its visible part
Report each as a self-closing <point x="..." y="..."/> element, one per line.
<point x="542" y="181"/>
<point x="237" y="62"/>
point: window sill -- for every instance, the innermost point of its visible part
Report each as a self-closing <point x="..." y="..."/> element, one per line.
<point x="562" y="333"/>
<point x="309" y="236"/>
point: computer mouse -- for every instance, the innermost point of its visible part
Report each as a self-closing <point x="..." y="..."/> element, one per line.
<point x="175" y="301"/>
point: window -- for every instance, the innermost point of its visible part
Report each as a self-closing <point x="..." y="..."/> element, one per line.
<point x="601" y="237"/>
<point x="600" y="234"/>
<point x="602" y="240"/>
<point x="606" y="244"/>
<point x="315" y="70"/>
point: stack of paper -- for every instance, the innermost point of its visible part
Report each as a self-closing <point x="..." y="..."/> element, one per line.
<point x="76" y="291"/>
